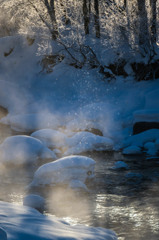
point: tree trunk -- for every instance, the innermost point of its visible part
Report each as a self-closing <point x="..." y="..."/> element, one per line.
<point x="96" y="18"/>
<point x="125" y="4"/>
<point x="144" y="38"/>
<point x="86" y="17"/>
<point x="50" y="5"/>
<point x="65" y="17"/>
<point x="153" y="21"/>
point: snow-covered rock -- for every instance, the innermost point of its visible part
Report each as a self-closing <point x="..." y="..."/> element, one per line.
<point x="134" y="176"/>
<point x="22" y="222"/>
<point x="97" y="115"/>
<point x="86" y="141"/>
<point x="51" y="138"/>
<point x="34" y="201"/>
<point x="150" y="148"/>
<point x="157" y="144"/>
<point x="21" y="149"/>
<point x="77" y="185"/>
<point x="132" y="150"/>
<point x="65" y="170"/>
<point x="140" y="139"/>
<point x="120" y="165"/>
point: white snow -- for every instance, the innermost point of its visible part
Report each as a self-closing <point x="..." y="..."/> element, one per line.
<point x="21" y="149"/>
<point x="98" y="115"/>
<point x="120" y="165"/>
<point x="31" y="122"/>
<point x="64" y="170"/>
<point x="12" y="96"/>
<point x="132" y="150"/>
<point x="150" y="148"/>
<point x="152" y="99"/>
<point x="141" y="138"/>
<point x="86" y="141"/>
<point x="51" y="138"/>
<point x="34" y="201"/>
<point x="20" y="222"/>
<point x="148" y="140"/>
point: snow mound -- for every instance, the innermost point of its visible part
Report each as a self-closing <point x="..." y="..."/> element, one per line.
<point x="27" y="223"/>
<point x="140" y="139"/>
<point x="34" y="201"/>
<point x="64" y="171"/>
<point x="21" y="149"/>
<point x="150" y="148"/>
<point x="86" y="141"/>
<point x="120" y="165"/>
<point x="51" y="138"/>
<point x="132" y="150"/>
<point x="148" y="140"/>
<point x="134" y="176"/>
<point x="97" y="115"/>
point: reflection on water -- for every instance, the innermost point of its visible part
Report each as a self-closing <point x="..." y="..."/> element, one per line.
<point x="128" y="206"/>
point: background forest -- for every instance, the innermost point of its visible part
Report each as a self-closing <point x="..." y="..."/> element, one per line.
<point x="116" y="37"/>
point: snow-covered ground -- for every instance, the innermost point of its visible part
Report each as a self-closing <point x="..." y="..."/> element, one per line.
<point x="22" y="223"/>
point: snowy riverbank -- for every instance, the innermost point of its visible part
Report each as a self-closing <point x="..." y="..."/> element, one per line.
<point x="21" y="223"/>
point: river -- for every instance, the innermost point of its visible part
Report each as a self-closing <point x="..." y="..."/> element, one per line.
<point x="125" y="203"/>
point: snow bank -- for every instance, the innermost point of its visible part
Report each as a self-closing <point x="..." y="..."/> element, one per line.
<point x="21" y="223"/>
<point x="13" y="97"/>
<point x="23" y="149"/>
<point x="18" y="59"/>
<point x="152" y="99"/>
<point x="51" y="138"/>
<point x="65" y="171"/>
<point x="86" y="141"/>
<point x="32" y="122"/>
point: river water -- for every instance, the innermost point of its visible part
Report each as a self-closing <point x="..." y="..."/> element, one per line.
<point x="127" y="204"/>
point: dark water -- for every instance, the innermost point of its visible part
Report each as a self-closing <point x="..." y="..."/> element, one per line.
<point x="129" y="206"/>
